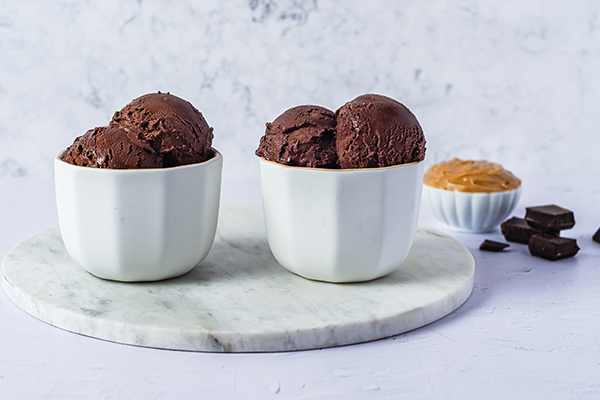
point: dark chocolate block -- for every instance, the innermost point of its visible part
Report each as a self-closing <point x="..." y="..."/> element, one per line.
<point x="552" y="247"/>
<point x="517" y="230"/>
<point x="596" y="236"/>
<point x="490" y="245"/>
<point x="549" y="218"/>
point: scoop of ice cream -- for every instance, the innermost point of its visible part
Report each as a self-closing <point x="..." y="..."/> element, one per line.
<point x="168" y="125"/>
<point x="110" y="147"/>
<point x="302" y="136"/>
<point x="157" y="130"/>
<point x="377" y="131"/>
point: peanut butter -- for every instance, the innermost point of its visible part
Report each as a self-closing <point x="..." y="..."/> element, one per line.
<point x="471" y="176"/>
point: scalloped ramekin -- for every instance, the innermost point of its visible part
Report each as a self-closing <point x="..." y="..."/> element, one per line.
<point x="347" y="225"/>
<point x="470" y="212"/>
<point x="138" y="224"/>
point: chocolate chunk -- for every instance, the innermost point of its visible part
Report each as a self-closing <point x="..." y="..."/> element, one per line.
<point x="596" y="236"/>
<point x="552" y="247"/>
<point x="490" y="245"/>
<point x="550" y="218"/>
<point x="517" y="230"/>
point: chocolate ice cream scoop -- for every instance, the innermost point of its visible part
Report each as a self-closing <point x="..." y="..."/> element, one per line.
<point x="110" y="147"/>
<point x="157" y="130"/>
<point x="377" y="131"/>
<point x="302" y="136"/>
<point x="169" y="125"/>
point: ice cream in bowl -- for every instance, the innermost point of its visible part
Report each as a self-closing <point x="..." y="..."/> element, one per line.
<point x="341" y="191"/>
<point x="470" y="195"/>
<point x="138" y="200"/>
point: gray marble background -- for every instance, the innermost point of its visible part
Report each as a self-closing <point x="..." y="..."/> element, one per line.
<point x="514" y="82"/>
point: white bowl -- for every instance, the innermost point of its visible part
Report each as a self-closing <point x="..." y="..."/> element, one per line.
<point x="470" y="212"/>
<point x="341" y="225"/>
<point x="138" y="225"/>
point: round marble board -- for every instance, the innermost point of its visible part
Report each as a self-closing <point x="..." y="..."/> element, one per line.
<point x="239" y="299"/>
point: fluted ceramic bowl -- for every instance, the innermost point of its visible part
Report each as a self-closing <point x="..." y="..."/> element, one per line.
<point x="138" y="224"/>
<point x="470" y="212"/>
<point x="341" y="225"/>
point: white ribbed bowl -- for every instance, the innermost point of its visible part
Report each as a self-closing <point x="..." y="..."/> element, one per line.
<point x="338" y="225"/>
<point x="470" y="212"/>
<point x="138" y="224"/>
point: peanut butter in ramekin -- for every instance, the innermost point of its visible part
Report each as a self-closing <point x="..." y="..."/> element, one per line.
<point x="471" y="176"/>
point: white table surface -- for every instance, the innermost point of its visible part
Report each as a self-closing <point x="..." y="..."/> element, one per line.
<point x="530" y="330"/>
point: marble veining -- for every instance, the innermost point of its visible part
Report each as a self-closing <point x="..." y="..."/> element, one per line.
<point x="238" y="299"/>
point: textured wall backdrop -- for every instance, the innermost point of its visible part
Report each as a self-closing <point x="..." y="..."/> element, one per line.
<point x="514" y="82"/>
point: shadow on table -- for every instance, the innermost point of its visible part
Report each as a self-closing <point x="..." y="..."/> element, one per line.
<point x="234" y="258"/>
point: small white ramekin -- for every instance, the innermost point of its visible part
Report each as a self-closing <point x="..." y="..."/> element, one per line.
<point x="341" y="225"/>
<point x="138" y="224"/>
<point x="470" y="212"/>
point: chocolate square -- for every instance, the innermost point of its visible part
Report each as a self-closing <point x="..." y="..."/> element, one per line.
<point x="552" y="247"/>
<point x="550" y="218"/>
<point x="596" y="236"/>
<point x="517" y="230"/>
<point x="490" y="245"/>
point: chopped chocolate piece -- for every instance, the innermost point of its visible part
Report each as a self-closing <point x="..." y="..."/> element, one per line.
<point x="596" y="236"/>
<point x="549" y="218"/>
<point x="552" y="247"/>
<point x="517" y="230"/>
<point x="490" y="245"/>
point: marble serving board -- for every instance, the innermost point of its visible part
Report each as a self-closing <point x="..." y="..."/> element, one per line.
<point x="239" y="299"/>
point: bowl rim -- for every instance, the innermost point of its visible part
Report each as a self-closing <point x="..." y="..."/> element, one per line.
<point x="336" y="170"/>
<point x="496" y="193"/>
<point x="216" y="155"/>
